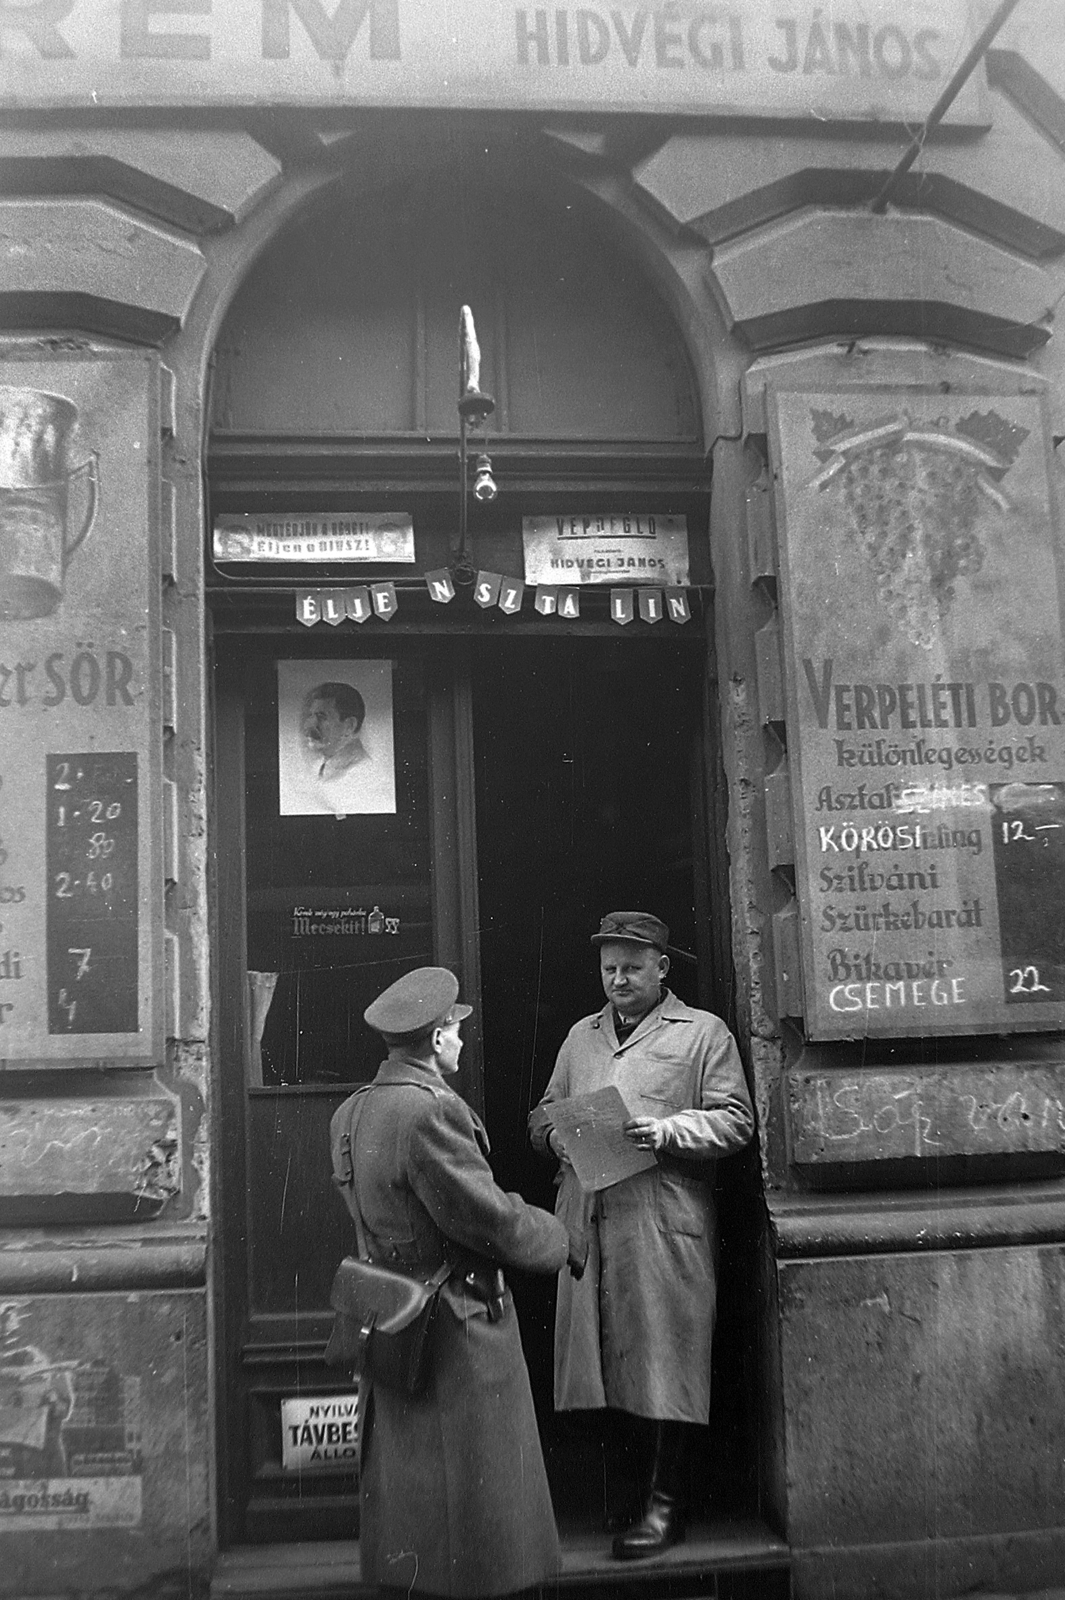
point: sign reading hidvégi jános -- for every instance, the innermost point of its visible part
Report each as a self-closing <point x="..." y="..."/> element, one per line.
<point x="921" y="595"/>
<point x="879" y="60"/>
<point x="623" y="547"/>
<point x="81" y="872"/>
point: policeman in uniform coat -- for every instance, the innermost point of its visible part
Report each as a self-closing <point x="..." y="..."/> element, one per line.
<point x="635" y="1333"/>
<point x="453" y="1493"/>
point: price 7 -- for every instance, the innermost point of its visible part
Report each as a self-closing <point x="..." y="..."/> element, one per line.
<point x="83" y="953"/>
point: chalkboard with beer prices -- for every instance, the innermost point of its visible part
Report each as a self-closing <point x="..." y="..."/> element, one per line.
<point x="92" y="919"/>
<point x="88" y="833"/>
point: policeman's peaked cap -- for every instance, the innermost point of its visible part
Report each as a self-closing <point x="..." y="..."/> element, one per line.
<point x="419" y="1001"/>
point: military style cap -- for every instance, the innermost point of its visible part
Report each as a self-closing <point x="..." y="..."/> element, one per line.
<point x="422" y="999"/>
<point x="638" y="926"/>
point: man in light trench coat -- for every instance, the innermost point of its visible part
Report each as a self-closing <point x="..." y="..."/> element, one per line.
<point x="634" y="1334"/>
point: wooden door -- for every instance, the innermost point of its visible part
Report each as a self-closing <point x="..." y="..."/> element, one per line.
<point x="334" y="877"/>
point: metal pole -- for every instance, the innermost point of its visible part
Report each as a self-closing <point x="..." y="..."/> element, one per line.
<point x="474" y="409"/>
<point x="461" y="559"/>
<point x="942" y="105"/>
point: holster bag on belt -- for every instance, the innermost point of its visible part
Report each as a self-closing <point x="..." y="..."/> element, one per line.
<point x="382" y="1323"/>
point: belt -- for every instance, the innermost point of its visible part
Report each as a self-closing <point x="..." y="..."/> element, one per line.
<point x="486" y="1284"/>
<point x="477" y="1278"/>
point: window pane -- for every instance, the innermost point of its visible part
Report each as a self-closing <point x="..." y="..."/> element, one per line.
<point x="338" y="904"/>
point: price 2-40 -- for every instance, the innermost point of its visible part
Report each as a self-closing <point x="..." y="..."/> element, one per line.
<point x="66" y="885"/>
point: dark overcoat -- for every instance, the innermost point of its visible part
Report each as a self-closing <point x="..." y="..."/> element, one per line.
<point x="453" y="1493"/>
<point x="636" y="1331"/>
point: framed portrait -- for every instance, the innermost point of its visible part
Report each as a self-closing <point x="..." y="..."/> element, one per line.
<point x="335" y="736"/>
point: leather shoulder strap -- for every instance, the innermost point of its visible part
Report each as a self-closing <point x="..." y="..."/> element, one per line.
<point x="343" y="1130"/>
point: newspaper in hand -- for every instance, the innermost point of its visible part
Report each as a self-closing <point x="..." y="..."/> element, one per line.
<point x="589" y="1127"/>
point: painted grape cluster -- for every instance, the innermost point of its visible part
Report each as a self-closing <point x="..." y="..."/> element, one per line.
<point x="914" y="492"/>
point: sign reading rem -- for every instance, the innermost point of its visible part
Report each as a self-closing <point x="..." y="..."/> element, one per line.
<point x="879" y="60"/>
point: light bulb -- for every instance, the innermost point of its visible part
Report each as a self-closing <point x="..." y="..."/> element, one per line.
<point x="484" y="485"/>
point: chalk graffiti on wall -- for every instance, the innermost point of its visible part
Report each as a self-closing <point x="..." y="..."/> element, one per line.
<point x="892" y="1115"/>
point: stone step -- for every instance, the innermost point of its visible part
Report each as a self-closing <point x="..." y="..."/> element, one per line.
<point x="718" y="1560"/>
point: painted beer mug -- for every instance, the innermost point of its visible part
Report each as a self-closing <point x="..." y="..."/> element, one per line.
<point x="36" y="500"/>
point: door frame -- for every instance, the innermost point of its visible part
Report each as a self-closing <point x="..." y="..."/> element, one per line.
<point x="258" y="611"/>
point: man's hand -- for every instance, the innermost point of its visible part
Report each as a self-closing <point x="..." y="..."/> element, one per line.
<point x="555" y="1142"/>
<point x="578" y="1253"/>
<point x="648" y="1133"/>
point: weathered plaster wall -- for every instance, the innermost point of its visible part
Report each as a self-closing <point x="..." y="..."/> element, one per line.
<point x="918" y="1423"/>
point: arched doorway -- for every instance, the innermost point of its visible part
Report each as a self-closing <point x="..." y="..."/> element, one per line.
<point x="544" y="768"/>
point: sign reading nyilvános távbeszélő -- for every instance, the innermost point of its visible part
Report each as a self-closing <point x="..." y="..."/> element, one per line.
<point x="317" y="537"/>
<point x="879" y="60"/>
<point x="622" y="547"/>
<point x="920" y="588"/>
<point x="318" y="1433"/>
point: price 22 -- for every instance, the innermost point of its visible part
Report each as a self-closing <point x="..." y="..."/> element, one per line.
<point x="1025" y="980"/>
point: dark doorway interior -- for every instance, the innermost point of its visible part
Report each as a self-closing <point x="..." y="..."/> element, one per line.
<point x="590" y="768"/>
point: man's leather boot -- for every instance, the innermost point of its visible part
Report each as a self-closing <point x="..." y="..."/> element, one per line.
<point x="662" y="1523"/>
<point x="626" y="1452"/>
